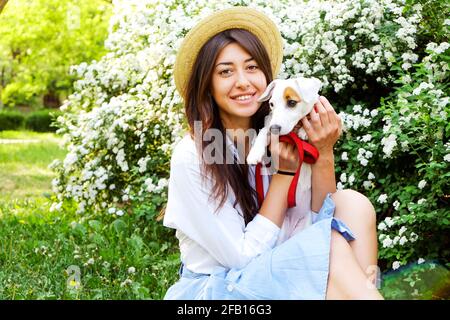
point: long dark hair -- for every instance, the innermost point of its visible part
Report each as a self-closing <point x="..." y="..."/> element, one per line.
<point x="200" y="106"/>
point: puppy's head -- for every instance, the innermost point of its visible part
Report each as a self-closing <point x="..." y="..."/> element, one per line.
<point x="290" y="100"/>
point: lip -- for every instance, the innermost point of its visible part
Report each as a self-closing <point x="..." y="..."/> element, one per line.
<point x="245" y="101"/>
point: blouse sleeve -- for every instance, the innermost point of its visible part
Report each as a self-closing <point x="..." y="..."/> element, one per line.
<point x="222" y="234"/>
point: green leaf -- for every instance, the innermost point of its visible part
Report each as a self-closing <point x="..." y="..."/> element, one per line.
<point x="119" y="226"/>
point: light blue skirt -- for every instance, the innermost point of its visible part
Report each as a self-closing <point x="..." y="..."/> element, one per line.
<point x="296" y="269"/>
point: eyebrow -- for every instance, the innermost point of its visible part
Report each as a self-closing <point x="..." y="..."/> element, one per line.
<point x="230" y="63"/>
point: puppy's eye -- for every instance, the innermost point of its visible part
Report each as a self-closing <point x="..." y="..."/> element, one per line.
<point x="271" y="105"/>
<point x="291" y="103"/>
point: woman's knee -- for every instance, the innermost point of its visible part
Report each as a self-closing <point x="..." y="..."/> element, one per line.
<point x="354" y="205"/>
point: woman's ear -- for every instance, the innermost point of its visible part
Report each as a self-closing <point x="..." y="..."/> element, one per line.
<point x="268" y="92"/>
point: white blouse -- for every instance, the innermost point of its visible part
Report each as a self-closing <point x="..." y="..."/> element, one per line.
<point x="208" y="239"/>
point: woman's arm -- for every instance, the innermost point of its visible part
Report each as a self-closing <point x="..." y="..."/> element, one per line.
<point x="275" y="204"/>
<point x="323" y="129"/>
<point x="323" y="179"/>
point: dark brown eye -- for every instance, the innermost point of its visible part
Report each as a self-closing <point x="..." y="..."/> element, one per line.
<point x="292" y="103"/>
<point x="271" y="105"/>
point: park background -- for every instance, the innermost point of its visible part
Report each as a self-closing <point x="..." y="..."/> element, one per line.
<point x="89" y="116"/>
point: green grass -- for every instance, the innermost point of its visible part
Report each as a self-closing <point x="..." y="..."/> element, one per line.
<point x="23" y="166"/>
<point x="39" y="250"/>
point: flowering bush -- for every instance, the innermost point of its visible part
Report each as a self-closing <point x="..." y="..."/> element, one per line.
<point x="125" y="116"/>
<point x="399" y="156"/>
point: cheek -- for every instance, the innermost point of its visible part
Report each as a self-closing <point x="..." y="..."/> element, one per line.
<point x="260" y="82"/>
<point x="220" y="87"/>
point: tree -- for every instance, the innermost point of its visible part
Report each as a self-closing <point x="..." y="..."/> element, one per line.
<point x="41" y="40"/>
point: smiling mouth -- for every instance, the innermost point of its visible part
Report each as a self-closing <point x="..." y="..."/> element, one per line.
<point x="244" y="97"/>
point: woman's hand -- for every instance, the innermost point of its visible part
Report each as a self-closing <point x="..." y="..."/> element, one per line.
<point x="284" y="155"/>
<point x="324" y="126"/>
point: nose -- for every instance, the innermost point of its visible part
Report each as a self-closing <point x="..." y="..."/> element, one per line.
<point x="242" y="81"/>
<point x="275" y="129"/>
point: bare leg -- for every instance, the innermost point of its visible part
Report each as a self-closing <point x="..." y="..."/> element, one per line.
<point x="356" y="211"/>
<point x="346" y="279"/>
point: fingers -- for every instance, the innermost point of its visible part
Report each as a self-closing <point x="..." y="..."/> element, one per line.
<point x="315" y="118"/>
<point x="332" y="116"/>
<point x="284" y="155"/>
<point x="307" y="126"/>
<point x="322" y="112"/>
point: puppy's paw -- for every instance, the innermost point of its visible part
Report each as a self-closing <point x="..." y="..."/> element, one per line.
<point x="255" y="156"/>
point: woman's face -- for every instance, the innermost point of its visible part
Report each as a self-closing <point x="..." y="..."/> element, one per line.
<point x="237" y="83"/>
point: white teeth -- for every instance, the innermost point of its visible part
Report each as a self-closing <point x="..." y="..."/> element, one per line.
<point x="242" y="98"/>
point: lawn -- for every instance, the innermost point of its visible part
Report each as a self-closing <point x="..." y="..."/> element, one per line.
<point x="24" y="157"/>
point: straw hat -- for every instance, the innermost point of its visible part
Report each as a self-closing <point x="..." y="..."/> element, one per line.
<point x="234" y="18"/>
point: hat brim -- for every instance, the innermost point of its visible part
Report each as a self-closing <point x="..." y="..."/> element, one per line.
<point x="234" y="18"/>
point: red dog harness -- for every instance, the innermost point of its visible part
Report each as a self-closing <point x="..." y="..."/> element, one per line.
<point x="306" y="152"/>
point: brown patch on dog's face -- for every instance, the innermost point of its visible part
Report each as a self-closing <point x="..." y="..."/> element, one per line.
<point x="291" y="97"/>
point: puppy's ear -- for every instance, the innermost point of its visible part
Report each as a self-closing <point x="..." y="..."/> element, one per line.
<point x="268" y="92"/>
<point x="309" y="89"/>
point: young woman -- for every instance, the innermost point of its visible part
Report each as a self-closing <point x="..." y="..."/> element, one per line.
<point x="231" y="248"/>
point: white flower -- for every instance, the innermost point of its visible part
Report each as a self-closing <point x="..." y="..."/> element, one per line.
<point x="131" y="270"/>
<point x="413" y="237"/>
<point x="56" y="206"/>
<point x="344" y="156"/>
<point x="447" y="157"/>
<point x="343" y="177"/>
<point x="402" y="230"/>
<point x="387" y="242"/>
<point x="90" y="261"/>
<point x="381" y="226"/>
<point x="420" y="261"/>
<point x="389" y="221"/>
<point x="339" y="186"/>
<point x="403" y="240"/>
<point x="395" y="241"/>
<point x="119" y="213"/>
<point x="389" y="144"/>
<point x="351" y="179"/>
<point x="162" y="183"/>
<point x="371" y="176"/>
<point x="396" y="204"/>
<point x="382" y="198"/>
<point x="422" y="184"/>
<point x="357" y="108"/>
<point x="111" y="210"/>
<point x="367" y="184"/>
<point x="395" y="265"/>
<point x="126" y="282"/>
<point x="421" y="201"/>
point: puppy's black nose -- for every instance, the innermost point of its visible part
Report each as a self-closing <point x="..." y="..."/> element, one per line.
<point x="275" y="129"/>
